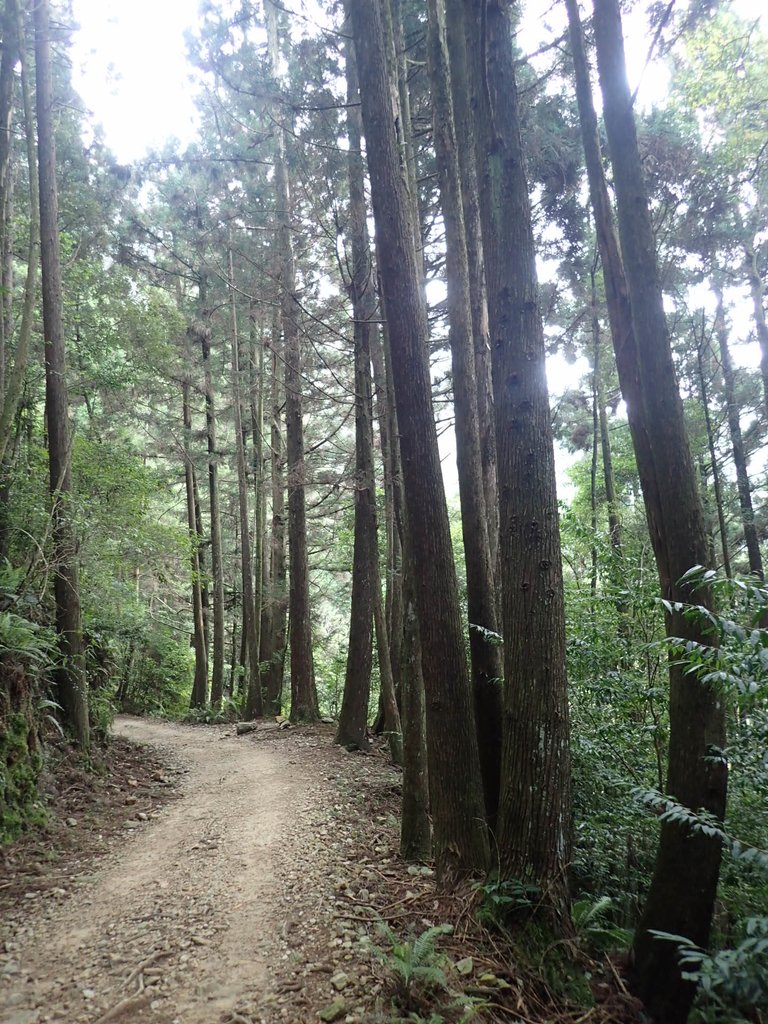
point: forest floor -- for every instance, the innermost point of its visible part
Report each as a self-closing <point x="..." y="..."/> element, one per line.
<point x="208" y="878"/>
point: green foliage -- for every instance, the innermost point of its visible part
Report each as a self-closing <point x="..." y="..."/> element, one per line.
<point x="593" y="926"/>
<point x="230" y="711"/>
<point x="26" y="641"/>
<point x="415" y="967"/>
<point x="20" y="764"/>
<point x="732" y="983"/>
<point x="503" y="900"/>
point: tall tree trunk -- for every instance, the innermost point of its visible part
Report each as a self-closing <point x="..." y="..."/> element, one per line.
<point x="200" y="683"/>
<point x="737" y="441"/>
<point x="12" y="386"/>
<point x="353" y="717"/>
<point x="275" y="605"/>
<point x="217" y="562"/>
<point x="415" y="828"/>
<point x="534" y="832"/>
<point x="461" y="840"/>
<point x="304" y="707"/>
<point x="9" y="54"/>
<point x="253" y="702"/>
<point x="205" y="597"/>
<point x="761" y="326"/>
<point x="256" y="391"/>
<point x="387" y="417"/>
<point x="684" y="884"/>
<point x="470" y="195"/>
<point x="11" y="50"/>
<point x="70" y="676"/>
<point x="701" y="343"/>
<point x="481" y="599"/>
<point x="614" y="523"/>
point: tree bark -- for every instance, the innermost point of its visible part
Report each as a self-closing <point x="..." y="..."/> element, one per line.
<point x="217" y="562"/>
<point x="461" y="841"/>
<point x="9" y="54"/>
<point x="304" y="707"/>
<point x="200" y="683"/>
<point x="275" y="604"/>
<point x="684" y="884"/>
<point x="12" y="386"/>
<point x="253" y="703"/>
<point x="716" y="484"/>
<point x="470" y="196"/>
<point x="737" y="441"/>
<point x="71" y="680"/>
<point x="761" y="326"/>
<point x="534" y="833"/>
<point x="353" y="716"/>
<point x="481" y="600"/>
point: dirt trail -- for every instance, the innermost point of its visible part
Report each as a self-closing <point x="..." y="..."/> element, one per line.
<point x="183" y="919"/>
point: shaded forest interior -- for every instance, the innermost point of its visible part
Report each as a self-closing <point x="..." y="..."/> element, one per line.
<point x="424" y="394"/>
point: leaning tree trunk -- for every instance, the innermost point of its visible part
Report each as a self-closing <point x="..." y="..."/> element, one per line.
<point x="70" y="676"/>
<point x="481" y="598"/>
<point x="304" y="706"/>
<point x="743" y="485"/>
<point x="534" y="831"/>
<point x="461" y="840"/>
<point x="684" y="885"/>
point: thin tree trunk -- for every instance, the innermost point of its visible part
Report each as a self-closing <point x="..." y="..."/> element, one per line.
<point x="256" y="392"/>
<point x="737" y="441"/>
<point x="353" y="716"/>
<point x="11" y="51"/>
<point x="382" y="373"/>
<point x="534" y="830"/>
<point x="253" y="702"/>
<point x="304" y="707"/>
<point x="684" y="885"/>
<point x="761" y="326"/>
<point x="614" y="523"/>
<point x="481" y="601"/>
<point x="205" y="597"/>
<point x="461" y="839"/>
<point x="392" y="722"/>
<point x="12" y="388"/>
<point x="470" y="194"/>
<point x="716" y="484"/>
<point x="200" y="683"/>
<point x="70" y="676"/>
<point x="217" y="562"/>
<point x="415" y="827"/>
<point x="274" y="624"/>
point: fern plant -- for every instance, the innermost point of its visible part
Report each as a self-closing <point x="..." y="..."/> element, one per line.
<point x="593" y="926"/>
<point x="415" y="966"/>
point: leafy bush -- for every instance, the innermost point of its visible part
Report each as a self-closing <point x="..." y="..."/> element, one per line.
<point x="732" y="983"/>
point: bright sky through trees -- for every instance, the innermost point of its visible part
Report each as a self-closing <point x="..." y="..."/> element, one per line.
<point x="130" y="68"/>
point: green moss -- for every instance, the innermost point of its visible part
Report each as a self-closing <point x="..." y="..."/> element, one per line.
<point x="19" y="770"/>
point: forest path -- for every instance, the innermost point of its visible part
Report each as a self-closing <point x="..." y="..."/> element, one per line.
<point x="182" y="922"/>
